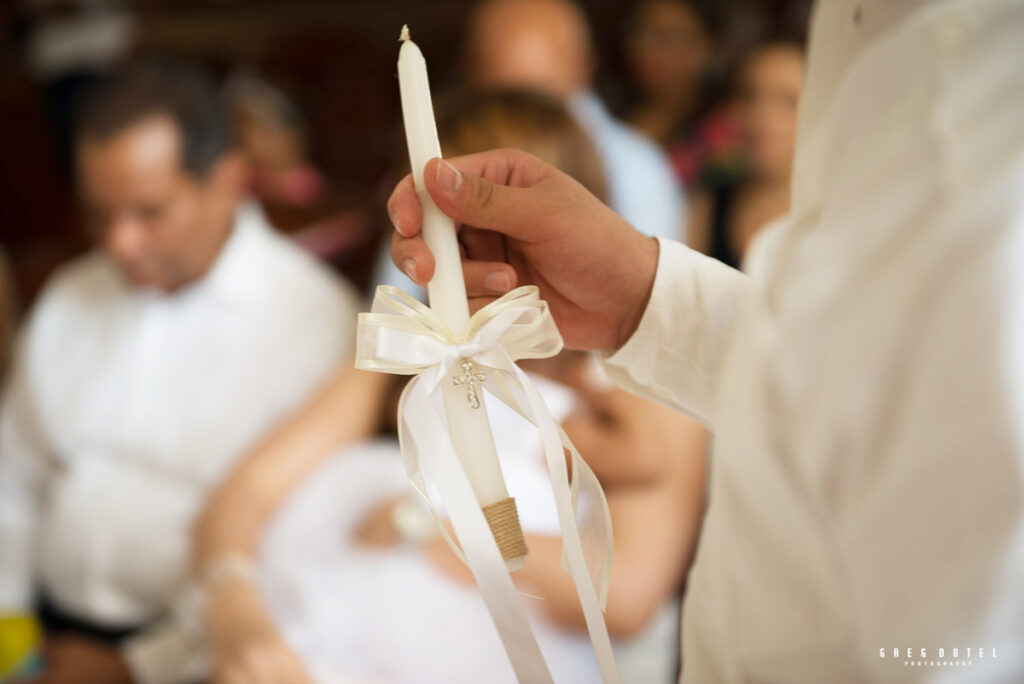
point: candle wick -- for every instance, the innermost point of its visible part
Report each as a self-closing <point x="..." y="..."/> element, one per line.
<point x="405" y="33"/>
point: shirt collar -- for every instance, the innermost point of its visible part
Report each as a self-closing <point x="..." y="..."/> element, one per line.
<point x="231" y="279"/>
<point x="588" y="108"/>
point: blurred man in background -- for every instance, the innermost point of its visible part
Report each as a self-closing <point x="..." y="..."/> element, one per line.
<point x="545" y="45"/>
<point x="146" y="368"/>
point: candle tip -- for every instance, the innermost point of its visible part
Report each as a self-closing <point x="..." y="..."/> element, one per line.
<point x="405" y="33"/>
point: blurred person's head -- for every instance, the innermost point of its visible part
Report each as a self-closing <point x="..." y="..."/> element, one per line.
<point x="476" y="120"/>
<point x="669" y="49"/>
<point x="269" y="129"/>
<point x="538" y="44"/>
<point x="770" y="80"/>
<point x="273" y="139"/>
<point x="157" y="174"/>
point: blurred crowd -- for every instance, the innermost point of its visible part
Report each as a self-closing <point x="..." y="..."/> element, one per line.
<point x="195" y="482"/>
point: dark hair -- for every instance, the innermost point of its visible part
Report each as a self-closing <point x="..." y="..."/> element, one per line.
<point x="179" y="91"/>
<point x="781" y="36"/>
<point x="704" y="12"/>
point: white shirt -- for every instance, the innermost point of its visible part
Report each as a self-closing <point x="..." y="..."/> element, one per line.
<point x="126" y="406"/>
<point x="642" y="187"/>
<point x="866" y="382"/>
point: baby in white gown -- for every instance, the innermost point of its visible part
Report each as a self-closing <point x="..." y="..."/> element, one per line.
<point x="360" y="613"/>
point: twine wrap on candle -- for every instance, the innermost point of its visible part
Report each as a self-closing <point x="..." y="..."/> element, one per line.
<point x="503" y="519"/>
<point x="400" y="335"/>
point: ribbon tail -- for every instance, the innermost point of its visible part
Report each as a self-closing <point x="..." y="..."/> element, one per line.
<point x="428" y="438"/>
<point x="590" y="506"/>
<point x="409" y="447"/>
<point x="572" y="546"/>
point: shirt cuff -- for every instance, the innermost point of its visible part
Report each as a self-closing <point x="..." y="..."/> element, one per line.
<point x="675" y="353"/>
<point x="166" y="653"/>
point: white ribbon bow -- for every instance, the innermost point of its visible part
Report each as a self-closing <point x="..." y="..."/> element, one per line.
<point x="402" y="336"/>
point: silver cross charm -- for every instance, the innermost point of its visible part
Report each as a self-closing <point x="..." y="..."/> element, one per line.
<point x="470" y="377"/>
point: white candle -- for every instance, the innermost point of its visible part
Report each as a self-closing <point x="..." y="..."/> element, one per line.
<point x="446" y="289"/>
<point x="467" y="420"/>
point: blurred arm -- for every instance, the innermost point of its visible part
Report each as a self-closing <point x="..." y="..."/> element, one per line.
<point x="626" y="440"/>
<point x="656" y="528"/>
<point x="239" y="629"/>
<point x="346" y="410"/>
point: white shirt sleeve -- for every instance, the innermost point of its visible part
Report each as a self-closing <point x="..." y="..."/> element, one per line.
<point x="676" y="352"/>
<point x="25" y="468"/>
<point x="167" y="652"/>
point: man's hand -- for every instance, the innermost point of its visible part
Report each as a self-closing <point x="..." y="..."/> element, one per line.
<point x="523" y="222"/>
<point x="71" y="659"/>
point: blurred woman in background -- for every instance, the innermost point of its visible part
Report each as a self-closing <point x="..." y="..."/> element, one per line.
<point x="285" y="177"/>
<point x="670" y="55"/>
<point x="354" y="577"/>
<point x="273" y="137"/>
<point x="725" y="218"/>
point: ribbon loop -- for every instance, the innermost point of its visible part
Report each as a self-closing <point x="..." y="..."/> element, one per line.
<point x="401" y="335"/>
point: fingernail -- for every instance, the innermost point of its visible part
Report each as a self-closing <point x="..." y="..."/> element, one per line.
<point x="448" y="177"/>
<point x="497" y="281"/>
<point x="393" y="215"/>
<point x="409" y="266"/>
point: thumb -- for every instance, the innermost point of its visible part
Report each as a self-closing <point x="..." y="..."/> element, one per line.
<point x="470" y="199"/>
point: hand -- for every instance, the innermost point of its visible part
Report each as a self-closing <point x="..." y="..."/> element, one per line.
<point x="72" y="659"/>
<point x="245" y="645"/>
<point x="524" y="222"/>
<point x="377" y="529"/>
